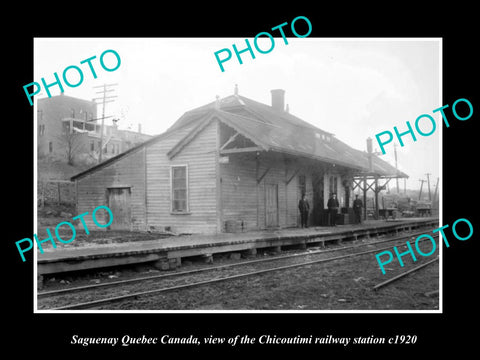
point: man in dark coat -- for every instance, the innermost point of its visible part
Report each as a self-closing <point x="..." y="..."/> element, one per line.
<point x="357" y="209"/>
<point x="304" y="207"/>
<point x="333" y="205"/>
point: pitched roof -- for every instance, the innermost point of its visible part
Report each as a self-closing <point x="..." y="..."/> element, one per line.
<point x="270" y="130"/>
<point x="241" y="105"/>
<point x="284" y="132"/>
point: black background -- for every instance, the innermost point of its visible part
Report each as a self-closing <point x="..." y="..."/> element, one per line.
<point x="50" y="334"/>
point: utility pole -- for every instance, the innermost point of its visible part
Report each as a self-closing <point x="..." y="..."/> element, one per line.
<point x="428" y="182"/>
<point x="396" y="166"/>
<point x="436" y="189"/>
<point x="104" y="101"/>
<point x="421" y="186"/>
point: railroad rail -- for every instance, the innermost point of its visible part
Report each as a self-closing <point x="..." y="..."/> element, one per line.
<point x="403" y="274"/>
<point x="168" y="254"/>
<point x="136" y="294"/>
<point x="219" y="267"/>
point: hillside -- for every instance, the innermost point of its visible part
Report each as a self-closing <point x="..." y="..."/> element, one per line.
<point x="57" y="169"/>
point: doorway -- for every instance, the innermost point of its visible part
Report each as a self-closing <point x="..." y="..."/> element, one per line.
<point x="119" y="204"/>
<point x="271" y="205"/>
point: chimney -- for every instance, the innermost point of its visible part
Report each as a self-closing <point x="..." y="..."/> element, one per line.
<point x="139" y="128"/>
<point x="369" y="145"/>
<point x="236" y="90"/>
<point x="278" y="99"/>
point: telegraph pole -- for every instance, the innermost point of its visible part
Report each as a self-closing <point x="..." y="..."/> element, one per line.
<point x="428" y="182"/>
<point x="421" y="186"/>
<point x="436" y="190"/>
<point x="396" y="167"/>
<point x="104" y="101"/>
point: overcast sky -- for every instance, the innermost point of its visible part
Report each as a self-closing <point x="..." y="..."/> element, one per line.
<point x="353" y="88"/>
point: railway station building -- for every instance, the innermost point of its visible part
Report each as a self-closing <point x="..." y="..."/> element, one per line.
<point x="229" y="166"/>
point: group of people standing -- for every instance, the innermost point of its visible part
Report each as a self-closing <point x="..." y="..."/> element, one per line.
<point x="332" y="206"/>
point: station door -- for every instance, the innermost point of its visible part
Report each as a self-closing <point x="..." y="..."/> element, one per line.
<point x="271" y="205"/>
<point x="119" y="204"/>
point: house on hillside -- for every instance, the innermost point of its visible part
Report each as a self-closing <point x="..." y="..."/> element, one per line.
<point x="232" y="165"/>
<point x="68" y="129"/>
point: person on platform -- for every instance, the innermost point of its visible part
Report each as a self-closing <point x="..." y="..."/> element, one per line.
<point x="333" y="205"/>
<point x="357" y="209"/>
<point x="304" y="207"/>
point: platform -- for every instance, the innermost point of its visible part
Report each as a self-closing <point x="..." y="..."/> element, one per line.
<point x="168" y="252"/>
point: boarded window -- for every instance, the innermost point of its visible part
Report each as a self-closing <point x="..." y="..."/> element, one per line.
<point x="179" y="189"/>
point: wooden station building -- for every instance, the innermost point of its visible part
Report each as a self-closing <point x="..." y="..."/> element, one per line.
<point x="232" y="165"/>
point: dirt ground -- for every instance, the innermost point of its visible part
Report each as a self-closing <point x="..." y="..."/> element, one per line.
<point x="341" y="285"/>
<point x="51" y="215"/>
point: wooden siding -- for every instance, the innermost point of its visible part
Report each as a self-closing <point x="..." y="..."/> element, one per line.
<point x="200" y="156"/>
<point x="239" y="191"/>
<point x="218" y="192"/>
<point x="243" y="200"/>
<point x="92" y="189"/>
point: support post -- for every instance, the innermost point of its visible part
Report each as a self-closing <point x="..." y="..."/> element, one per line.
<point x="364" y="198"/>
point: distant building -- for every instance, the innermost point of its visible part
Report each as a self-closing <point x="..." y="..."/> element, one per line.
<point x="69" y="129"/>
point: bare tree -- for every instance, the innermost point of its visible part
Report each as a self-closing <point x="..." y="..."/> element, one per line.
<point x="72" y="141"/>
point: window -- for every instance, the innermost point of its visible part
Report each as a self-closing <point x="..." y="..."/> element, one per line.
<point x="66" y="128"/>
<point x="41" y="130"/>
<point x="179" y="188"/>
<point x="92" y="145"/>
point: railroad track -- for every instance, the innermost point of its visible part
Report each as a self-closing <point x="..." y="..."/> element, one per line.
<point x="96" y="295"/>
<point x="403" y="274"/>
